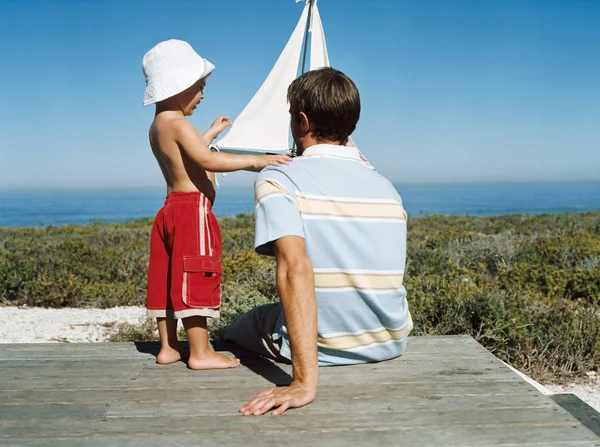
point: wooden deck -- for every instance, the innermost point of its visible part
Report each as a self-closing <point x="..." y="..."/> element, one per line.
<point x="446" y="391"/>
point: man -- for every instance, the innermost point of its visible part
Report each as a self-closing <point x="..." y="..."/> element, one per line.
<point x="337" y="230"/>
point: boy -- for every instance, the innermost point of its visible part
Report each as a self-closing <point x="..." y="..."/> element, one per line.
<point x="185" y="268"/>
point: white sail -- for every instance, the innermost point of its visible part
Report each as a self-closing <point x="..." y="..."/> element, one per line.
<point x="318" y="46"/>
<point x="263" y="126"/>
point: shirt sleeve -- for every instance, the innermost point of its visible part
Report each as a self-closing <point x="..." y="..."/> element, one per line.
<point x="276" y="212"/>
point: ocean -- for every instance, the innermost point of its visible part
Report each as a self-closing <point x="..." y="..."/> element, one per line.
<point x="40" y="208"/>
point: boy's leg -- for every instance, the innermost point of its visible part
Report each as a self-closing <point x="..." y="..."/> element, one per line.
<point x="169" y="345"/>
<point x="195" y="291"/>
<point x="201" y="355"/>
<point x="157" y="298"/>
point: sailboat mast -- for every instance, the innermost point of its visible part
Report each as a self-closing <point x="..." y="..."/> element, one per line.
<point x="308" y="21"/>
<point x="294" y="151"/>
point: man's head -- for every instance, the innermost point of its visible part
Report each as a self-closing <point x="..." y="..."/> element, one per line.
<point x="175" y="73"/>
<point x="324" y="108"/>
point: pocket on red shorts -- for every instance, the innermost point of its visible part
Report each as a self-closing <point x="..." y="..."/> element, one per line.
<point x="202" y="281"/>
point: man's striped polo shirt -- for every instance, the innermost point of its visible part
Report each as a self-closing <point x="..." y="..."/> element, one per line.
<point x="354" y="227"/>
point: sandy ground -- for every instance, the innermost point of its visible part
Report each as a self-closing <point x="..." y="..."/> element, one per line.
<point x="588" y="391"/>
<point x="39" y="325"/>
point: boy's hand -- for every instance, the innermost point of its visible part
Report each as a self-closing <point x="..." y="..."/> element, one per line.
<point x="219" y="125"/>
<point x="263" y="161"/>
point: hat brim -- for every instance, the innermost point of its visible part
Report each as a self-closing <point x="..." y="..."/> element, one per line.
<point x="174" y="82"/>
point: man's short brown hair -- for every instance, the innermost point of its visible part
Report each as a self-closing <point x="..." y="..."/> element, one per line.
<point x="329" y="99"/>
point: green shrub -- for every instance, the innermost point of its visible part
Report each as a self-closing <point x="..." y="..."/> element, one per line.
<point x="146" y="331"/>
<point x="526" y="287"/>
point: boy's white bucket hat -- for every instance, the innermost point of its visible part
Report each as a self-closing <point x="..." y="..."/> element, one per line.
<point x="170" y="68"/>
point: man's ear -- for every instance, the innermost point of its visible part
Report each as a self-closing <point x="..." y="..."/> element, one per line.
<point x="304" y="122"/>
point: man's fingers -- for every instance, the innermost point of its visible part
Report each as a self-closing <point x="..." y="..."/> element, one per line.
<point x="282" y="401"/>
<point x="260" y="395"/>
<point x="284" y="406"/>
<point x="254" y="405"/>
<point x="267" y="405"/>
<point x="249" y="407"/>
<point x="264" y="404"/>
<point x="257" y="398"/>
<point x="266" y="392"/>
<point x="258" y="405"/>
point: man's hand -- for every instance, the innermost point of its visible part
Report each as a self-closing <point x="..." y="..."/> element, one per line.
<point x="294" y="396"/>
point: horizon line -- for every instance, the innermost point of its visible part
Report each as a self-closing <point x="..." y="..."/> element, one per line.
<point x="239" y="186"/>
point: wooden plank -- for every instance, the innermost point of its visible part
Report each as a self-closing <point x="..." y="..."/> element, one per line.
<point x="122" y="380"/>
<point x="583" y="412"/>
<point x="417" y="345"/>
<point x="323" y="407"/>
<point x="444" y="391"/>
<point x="150" y="369"/>
<point x="53" y="412"/>
<point x="201" y="394"/>
<point x="374" y="403"/>
<point x="246" y="361"/>
<point x="86" y="372"/>
<point x="90" y="369"/>
<point x="92" y="420"/>
<point x="471" y="436"/>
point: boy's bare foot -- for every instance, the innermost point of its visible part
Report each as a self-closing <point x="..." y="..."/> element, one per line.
<point x="169" y="355"/>
<point x="213" y="360"/>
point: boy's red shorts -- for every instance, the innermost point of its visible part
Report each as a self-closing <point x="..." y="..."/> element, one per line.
<point x="184" y="275"/>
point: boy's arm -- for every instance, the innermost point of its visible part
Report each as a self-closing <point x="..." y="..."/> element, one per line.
<point x="218" y="126"/>
<point x="207" y="138"/>
<point x="215" y="129"/>
<point x="195" y="147"/>
<point x="296" y="288"/>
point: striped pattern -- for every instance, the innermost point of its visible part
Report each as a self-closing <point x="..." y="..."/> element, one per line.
<point x="350" y="208"/>
<point x="202" y="225"/>
<point x="359" y="281"/>
<point x="354" y="226"/>
<point x="364" y="339"/>
<point x="205" y="247"/>
<point x="269" y="188"/>
<point x="205" y="238"/>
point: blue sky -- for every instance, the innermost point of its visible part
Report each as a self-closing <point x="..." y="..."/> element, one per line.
<point x="452" y="91"/>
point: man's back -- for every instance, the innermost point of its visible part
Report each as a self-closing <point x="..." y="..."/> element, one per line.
<point x="354" y="227"/>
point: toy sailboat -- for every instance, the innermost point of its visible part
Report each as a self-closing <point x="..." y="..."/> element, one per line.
<point x="263" y="127"/>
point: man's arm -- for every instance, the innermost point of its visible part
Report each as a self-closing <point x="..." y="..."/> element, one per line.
<point x="194" y="145"/>
<point x="296" y="288"/>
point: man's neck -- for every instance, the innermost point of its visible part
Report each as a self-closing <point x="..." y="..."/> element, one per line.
<point x="310" y="141"/>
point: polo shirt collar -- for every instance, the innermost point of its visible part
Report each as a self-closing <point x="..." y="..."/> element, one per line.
<point x="335" y="151"/>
